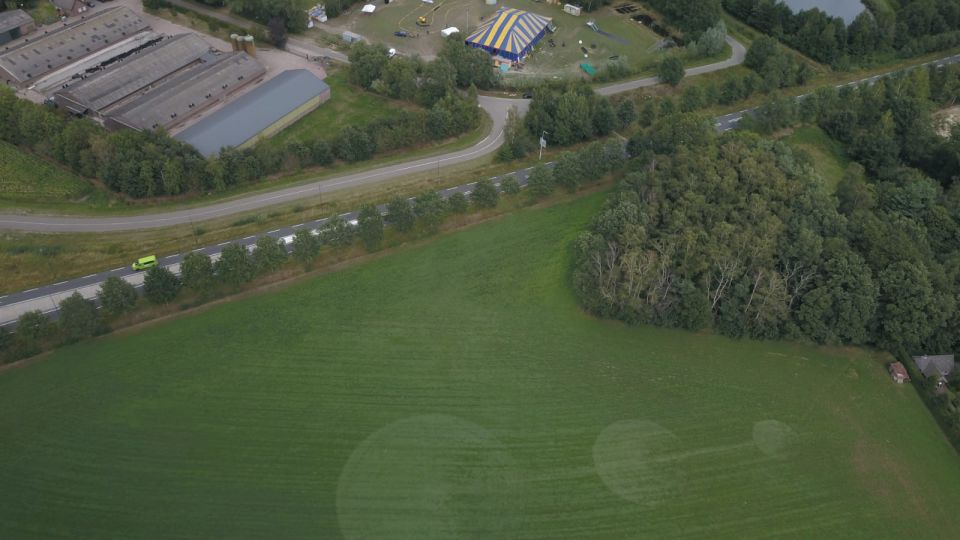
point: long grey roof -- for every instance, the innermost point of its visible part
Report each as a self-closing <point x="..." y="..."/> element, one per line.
<point x="254" y="111"/>
<point x="189" y="92"/>
<point x="137" y="72"/>
<point x="942" y="365"/>
<point x="14" y="18"/>
<point x="30" y="57"/>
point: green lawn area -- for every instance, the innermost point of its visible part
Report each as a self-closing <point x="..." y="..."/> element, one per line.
<point x="455" y="389"/>
<point x="347" y="106"/>
<point x="828" y="155"/>
<point x="25" y="178"/>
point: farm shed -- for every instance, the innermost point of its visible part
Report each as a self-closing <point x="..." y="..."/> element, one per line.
<point x="260" y="113"/>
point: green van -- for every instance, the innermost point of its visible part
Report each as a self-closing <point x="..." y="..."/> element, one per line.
<point x="144" y="262"/>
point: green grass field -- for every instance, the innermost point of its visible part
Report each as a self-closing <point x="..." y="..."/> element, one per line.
<point x="455" y="390"/>
<point x="828" y="155"/>
<point x="27" y="178"/>
<point x="347" y="106"/>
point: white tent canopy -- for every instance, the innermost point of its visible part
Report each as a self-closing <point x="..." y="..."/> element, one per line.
<point x="369" y="8"/>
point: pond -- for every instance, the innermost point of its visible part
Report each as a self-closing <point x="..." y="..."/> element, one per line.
<point x="847" y="9"/>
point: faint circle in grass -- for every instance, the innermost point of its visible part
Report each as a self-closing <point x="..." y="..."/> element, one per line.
<point x="429" y="476"/>
<point x="774" y="438"/>
<point x="638" y="461"/>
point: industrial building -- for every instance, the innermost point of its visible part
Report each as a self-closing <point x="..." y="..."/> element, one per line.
<point x="96" y="93"/>
<point x="14" y="24"/>
<point x="260" y="113"/>
<point x="185" y="94"/>
<point x="28" y="58"/>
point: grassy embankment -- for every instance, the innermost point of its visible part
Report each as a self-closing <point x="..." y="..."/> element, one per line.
<point x="347" y="106"/>
<point x="829" y="157"/>
<point x="455" y="389"/>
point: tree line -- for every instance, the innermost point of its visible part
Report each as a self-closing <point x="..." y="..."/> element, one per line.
<point x="913" y="27"/>
<point x="883" y="125"/>
<point x="202" y="279"/>
<point x="151" y="164"/>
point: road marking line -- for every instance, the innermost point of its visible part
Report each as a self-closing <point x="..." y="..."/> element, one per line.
<point x="118" y="269"/>
<point x="31" y="290"/>
<point x="90" y="276"/>
<point x="61" y="283"/>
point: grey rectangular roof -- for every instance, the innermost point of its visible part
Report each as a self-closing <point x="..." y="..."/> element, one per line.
<point x="137" y="71"/>
<point x="189" y="92"/>
<point x="942" y="365"/>
<point x="32" y="56"/>
<point x="253" y="112"/>
<point x="13" y="19"/>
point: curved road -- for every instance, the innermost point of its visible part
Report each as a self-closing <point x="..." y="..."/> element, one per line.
<point x="496" y="108"/>
<point x="48" y="297"/>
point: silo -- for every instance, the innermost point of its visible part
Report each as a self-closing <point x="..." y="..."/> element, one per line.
<point x="248" y="45"/>
<point x="234" y="44"/>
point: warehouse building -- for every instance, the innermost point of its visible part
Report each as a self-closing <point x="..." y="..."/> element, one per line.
<point x="31" y="57"/>
<point x="260" y="113"/>
<point x="134" y="75"/>
<point x="180" y="97"/>
<point x="14" y="24"/>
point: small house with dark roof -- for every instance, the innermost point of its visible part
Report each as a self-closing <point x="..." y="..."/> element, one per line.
<point x="898" y="373"/>
<point x="940" y="366"/>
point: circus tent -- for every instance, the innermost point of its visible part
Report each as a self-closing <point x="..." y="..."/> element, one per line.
<point x="510" y="33"/>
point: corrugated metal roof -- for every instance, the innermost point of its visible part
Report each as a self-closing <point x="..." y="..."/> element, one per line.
<point x="137" y="71"/>
<point x="34" y="55"/>
<point x="13" y="19"/>
<point x="189" y="91"/>
<point x="253" y="112"/>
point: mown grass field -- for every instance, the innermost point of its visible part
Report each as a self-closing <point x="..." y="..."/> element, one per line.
<point x="829" y="158"/>
<point x="347" y="106"/>
<point x="455" y="390"/>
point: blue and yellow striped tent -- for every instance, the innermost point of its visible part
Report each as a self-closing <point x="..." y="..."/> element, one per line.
<point x="510" y="33"/>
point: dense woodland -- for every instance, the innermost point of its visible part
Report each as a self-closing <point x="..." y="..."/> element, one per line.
<point x="914" y="27"/>
<point x="738" y="233"/>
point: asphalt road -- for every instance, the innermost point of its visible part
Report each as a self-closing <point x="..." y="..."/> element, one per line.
<point x="495" y="107"/>
<point x="737" y="58"/>
<point x="47" y="298"/>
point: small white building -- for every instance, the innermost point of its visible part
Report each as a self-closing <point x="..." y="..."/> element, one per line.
<point x="368" y="9"/>
<point x="447" y="32"/>
<point x="572" y="9"/>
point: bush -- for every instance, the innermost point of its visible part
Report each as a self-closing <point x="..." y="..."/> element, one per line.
<point x="670" y="71"/>
<point x="79" y="318"/>
<point x="117" y="296"/>
<point x="484" y="195"/>
<point x="458" y="203"/>
<point x="509" y="185"/>
<point x="160" y="286"/>
<point x="540" y="182"/>
<point x="235" y="266"/>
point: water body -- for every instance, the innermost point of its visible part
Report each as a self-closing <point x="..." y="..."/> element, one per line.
<point x="848" y="9"/>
